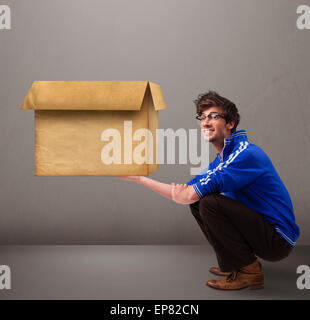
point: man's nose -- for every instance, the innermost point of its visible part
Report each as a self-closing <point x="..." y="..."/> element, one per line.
<point x="205" y="122"/>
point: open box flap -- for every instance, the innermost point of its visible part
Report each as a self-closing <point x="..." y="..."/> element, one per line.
<point x="91" y="95"/>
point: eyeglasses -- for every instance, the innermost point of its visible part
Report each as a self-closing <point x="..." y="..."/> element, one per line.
<point x="210" y="116"/>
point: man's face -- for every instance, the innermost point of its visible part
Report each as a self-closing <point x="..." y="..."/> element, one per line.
<point x="216" y="129"/>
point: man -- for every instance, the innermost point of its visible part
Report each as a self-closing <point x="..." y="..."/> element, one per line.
<point x="239" y="201"/>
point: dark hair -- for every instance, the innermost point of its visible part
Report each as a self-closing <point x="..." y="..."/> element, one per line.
<point x="213" y="99"/>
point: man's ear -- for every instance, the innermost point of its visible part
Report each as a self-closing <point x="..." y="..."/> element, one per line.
<point x="230" y="125"/>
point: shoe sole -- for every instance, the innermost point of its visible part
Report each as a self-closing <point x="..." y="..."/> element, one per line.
<point x="250" y="287"/>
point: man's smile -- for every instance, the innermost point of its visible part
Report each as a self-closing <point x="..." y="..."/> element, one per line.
<point x="207" y="132"/>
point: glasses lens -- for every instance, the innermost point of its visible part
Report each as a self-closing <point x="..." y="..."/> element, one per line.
<point x="213" y="116"/>
<point x="210" y="116"/>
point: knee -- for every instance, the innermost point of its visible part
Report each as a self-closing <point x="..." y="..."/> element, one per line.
<point x="208" y="207"/>
<point x="205" y="206"/>
<point x="194" y="207"/>
<point x="208" y="203"/>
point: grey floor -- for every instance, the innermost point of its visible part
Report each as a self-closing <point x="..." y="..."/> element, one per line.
<point x="135" y="272"/>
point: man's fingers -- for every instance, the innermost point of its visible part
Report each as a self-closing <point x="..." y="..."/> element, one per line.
<point x="129" y="178"/>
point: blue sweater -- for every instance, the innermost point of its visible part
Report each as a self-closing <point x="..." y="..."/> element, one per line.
<point x="245" y="173"/>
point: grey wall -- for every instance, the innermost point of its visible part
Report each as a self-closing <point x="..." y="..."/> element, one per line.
<point x="249" y="51"/>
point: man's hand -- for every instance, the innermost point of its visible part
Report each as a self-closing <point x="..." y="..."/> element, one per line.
<point x="163" y="189"/>
<point x="180" y="193"/>
<point x="130" y="178"/>
<point x="184" y="194"/>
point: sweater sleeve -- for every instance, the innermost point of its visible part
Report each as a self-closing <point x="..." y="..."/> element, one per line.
<point x="239" y="170"/>
<point x="199" y="176"/>
<point x="196" y="179"/>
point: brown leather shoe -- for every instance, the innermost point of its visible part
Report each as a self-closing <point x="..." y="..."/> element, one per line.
<point x="217" y="271"/>
<point x="251" y="276"/>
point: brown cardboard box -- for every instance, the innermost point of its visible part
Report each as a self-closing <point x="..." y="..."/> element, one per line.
<point x="73" y="120"/>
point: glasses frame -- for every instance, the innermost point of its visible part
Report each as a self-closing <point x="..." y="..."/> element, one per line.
<point x="211" y="116"/>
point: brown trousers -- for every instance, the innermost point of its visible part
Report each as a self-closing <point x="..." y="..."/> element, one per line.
<point x="237" y="233"/>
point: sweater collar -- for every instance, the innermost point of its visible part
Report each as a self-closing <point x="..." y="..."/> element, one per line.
<point x="236" y="137"/>
<point x="230" y="143"/>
